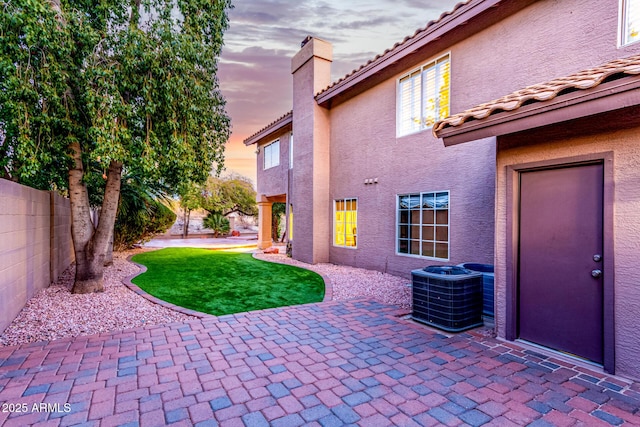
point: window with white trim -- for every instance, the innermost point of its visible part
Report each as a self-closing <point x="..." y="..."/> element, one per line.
<point x="423" y="96"/>
<point x="423" y="224"/>
<point x="345" y="222"/>
<point x="629" y="21"/>
<point x="291" y="150"/>
<point x="272" y="154"/>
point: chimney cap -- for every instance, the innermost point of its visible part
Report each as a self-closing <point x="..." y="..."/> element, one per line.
<point x="305" y="41"/>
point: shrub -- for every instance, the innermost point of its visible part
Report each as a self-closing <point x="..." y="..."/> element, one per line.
<point x="140" y="222"/>
<point x="216" y="222"/>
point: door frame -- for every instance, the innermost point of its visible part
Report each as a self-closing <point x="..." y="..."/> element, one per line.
<point x="512" y="244"/>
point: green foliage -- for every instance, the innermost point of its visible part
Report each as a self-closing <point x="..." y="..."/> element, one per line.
<point x="278" y="211"/>
<point x="141" y="214"/>
<point x="155" y="218"/>
<point x="218" y="223"/>
<point x="137" y="87"/>
<point x="220" y="283"/>
<point x="228" y="195"/>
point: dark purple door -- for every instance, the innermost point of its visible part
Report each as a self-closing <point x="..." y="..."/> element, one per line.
<point x="560" y="266"/>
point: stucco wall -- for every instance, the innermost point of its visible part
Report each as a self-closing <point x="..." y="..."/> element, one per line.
<point x="364" y="146"/>
<point x="546" y="40"/>
<point x="624" y="144"/>
<point x="274" y="181"/>
<point x="35" y="244"/>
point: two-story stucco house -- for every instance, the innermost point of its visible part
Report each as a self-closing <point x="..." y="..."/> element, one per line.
<point x="403" y="163"/>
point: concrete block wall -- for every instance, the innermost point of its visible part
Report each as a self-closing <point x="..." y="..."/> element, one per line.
<point x="34" y="231"/>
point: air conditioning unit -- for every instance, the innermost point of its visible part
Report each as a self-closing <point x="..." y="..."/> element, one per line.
<point x="447" y="297"/>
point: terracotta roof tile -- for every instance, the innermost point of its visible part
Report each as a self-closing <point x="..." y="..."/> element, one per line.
<point x="582" y="80"/>
<point x="279" y="119"/>
<point x="389" y="51"/>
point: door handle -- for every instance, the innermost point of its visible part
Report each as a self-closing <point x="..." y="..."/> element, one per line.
<point x="596" y="273"/>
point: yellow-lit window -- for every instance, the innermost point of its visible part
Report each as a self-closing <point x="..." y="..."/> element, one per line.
<point x="630" y="21"/>
<point x="423" y="96"/>
<point x="290" y="222"/>
<point x="345" y="223"/>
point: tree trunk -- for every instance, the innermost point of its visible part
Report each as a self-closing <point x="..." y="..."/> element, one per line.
<point x="186" y="215"/>
<point x="275" y="227"/>
<point x="108" y="257"/>
<point x="90" y="243"/>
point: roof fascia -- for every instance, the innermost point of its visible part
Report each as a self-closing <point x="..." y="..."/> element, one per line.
<point x="606" y="97"/>
<point x="434" y="32"/>
<point x="284" y="124"/>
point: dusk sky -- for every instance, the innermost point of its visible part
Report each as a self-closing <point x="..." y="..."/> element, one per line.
<point x="255" y="67"/>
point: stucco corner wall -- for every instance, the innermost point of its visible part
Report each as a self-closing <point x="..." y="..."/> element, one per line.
<point x="626" y="230"/>
<point x="31" y="236"/>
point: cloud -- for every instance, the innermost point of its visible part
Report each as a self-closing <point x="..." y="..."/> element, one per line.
<point x="263" y="36"/>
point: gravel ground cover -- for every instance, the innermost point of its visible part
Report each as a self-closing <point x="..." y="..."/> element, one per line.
<point x="55" y="313"/>
<point x="349" y="282"/>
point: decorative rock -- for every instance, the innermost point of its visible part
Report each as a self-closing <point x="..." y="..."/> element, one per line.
<point x="271" y="250"/>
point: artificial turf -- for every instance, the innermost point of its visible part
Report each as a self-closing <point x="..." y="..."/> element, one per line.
<point x="218" y="282"/>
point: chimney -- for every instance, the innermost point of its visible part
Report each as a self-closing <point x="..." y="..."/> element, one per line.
<point x="311" y="69"/>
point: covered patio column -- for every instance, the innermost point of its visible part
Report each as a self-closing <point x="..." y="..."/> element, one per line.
<point x="264" y="222"/>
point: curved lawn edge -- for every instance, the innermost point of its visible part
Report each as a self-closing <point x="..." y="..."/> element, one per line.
<point x="139" y="291"/>
<point x="127" y="281"/>
<point x="328" y="285"/>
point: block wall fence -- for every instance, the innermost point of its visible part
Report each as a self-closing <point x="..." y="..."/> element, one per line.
<point x="35" y="244"/>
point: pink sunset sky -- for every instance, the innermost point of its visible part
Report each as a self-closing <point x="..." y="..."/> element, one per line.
<point x="255" y="65"/>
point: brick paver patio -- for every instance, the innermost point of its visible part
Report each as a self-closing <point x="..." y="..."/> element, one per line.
<point x="329" y="364"/>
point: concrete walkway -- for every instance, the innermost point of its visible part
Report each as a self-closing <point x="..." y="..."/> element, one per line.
<point x="247" y="242"/>
<point x="325" y="364"/>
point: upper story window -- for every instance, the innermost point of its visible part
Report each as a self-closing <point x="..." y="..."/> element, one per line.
<point x="423" y="225"/>
<point x="345" y="222"/>
<point x="629" y="21"/>
<point x="423" y="96"/>
<point x="272" y="154"/>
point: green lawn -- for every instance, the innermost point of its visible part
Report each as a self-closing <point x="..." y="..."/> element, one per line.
<point x="218" y="282"/>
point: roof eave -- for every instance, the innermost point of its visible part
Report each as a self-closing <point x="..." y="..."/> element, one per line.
<point x="609" y="96"/>
<point x="460" y="17"/>
<point x="283" y="124"/>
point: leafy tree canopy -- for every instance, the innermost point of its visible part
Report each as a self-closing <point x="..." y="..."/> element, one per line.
<point x="228" y="195"/>
<point x="107" y="86"/>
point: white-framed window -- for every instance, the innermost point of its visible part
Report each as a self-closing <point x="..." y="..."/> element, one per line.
<point x="423" y="96"/>
<point x="272" y="154"/>
<point x="423" y="225"/>
<point x="629" y="21"/>
<point x="291" y="150"/>
<point x="345" y="222"/>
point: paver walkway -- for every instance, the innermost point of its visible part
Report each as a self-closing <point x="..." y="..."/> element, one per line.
<point x="329" y="364"/>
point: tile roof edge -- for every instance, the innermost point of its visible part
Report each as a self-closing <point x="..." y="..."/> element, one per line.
<point x="540" y="92"/>
<point x="417" y="36"/>
<point x="281" y="121"/>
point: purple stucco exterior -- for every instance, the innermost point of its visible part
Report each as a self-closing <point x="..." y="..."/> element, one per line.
<point x="347" y="135"/>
